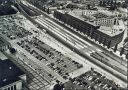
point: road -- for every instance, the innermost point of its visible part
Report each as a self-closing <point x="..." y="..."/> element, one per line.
<point x="72" y="47"/>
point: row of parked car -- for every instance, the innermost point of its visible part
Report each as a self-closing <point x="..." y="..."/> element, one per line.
<point x="93" y="80"/>
<point x="10" y="28"/>
<point x="54" y="59"/>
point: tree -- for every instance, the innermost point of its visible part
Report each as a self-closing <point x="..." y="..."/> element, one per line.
<point x="113" y="7"/>
<point x="118" y="4"/>
<point x="92" y="69"/>
<point x="100" y="39"/>
<point x="127" y="56"/>
<point x="57" y="87"/>
<point x="122" y="51"/>
<point x="88" y="6"/>
<point x="104" y="42"/>
<point x="48" y="11"/>
<point x="91" y="35"/>
<point x="44" y="8"/>
<point x="126" y="40"/>
<point x="12" y="50"/>
<point x="115" y="48"/>
<point x="104" y="4"/>
<point x="100" y="4"/>
<point x="124" y="5"/>
<point x="72" y="80"/>
<point x="109" y="44"/>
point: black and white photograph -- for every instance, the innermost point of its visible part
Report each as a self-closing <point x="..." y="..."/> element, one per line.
<point x="63" y="45"/>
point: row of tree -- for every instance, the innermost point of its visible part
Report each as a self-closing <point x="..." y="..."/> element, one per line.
<point x="46" y="10"/>
<point x="126" y="40"/>
<point x="121" y="51"/>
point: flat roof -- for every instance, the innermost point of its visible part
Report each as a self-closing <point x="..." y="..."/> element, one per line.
<point x="75" y="14"/>
<point x="81" y="18"/>
<point x="9" y="72"/>
<point x="108" y="30"/>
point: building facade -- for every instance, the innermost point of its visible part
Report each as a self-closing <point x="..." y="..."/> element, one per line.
<point x="106" y="21"/>
<point x="11" y="77"/>
<point x="90" y="29"/>
<point x="13" y="86"/>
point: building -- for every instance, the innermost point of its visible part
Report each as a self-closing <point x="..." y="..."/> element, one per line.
<point x="123" y="13"/>
<point x="64" y="1"/>
<point x="91" y="2"/>
<point x="11" y="77"/>
<point x="109" y="35"/>
<point x="4" y="45"/>
<point x="91" y="29"/>
<point x="100" y="17"/>
<point x="104" y="21"/>
<point x="125" y="48"/>
<point x="101" y="13"/>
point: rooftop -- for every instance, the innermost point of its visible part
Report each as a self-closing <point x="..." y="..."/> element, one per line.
<point x="9" y="72"/>
<point x="108" y="13"/>
<point x="110" y="30"/>
<point x="77" y="14"/>
<point x="113" y="30"/>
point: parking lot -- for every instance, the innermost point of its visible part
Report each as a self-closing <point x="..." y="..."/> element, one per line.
<point x="51" y="57"/>
<point x="91" y="80"/>
<point x="11" y="29"/>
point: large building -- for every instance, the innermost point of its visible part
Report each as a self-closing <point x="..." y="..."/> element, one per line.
<point x="11" y="77"/>
<point x="4" y="45"/>
<point x="92" y="30"/>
